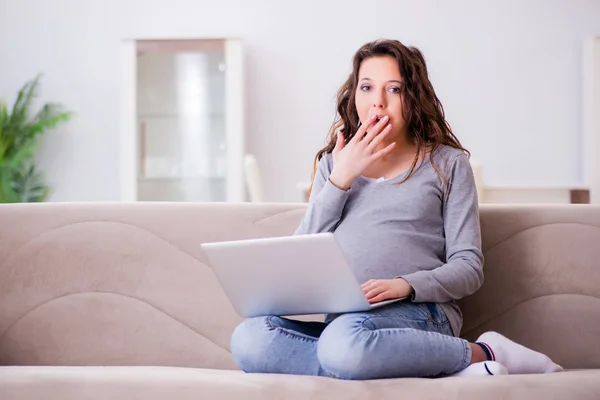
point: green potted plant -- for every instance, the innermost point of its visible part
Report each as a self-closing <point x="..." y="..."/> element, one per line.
<point x="20" y="129"/>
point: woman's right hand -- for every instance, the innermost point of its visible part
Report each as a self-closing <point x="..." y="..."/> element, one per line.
<point x="350" y="160"/>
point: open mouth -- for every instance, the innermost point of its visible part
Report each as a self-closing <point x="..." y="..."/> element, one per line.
<point x="378" y="117"/>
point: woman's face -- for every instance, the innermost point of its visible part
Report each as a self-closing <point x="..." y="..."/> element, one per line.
<point x="378" y="92"/>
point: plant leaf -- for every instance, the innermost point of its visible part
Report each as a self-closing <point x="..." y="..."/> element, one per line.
<point x="48" y="117"/>
<point x="7" y="192"/>
<point x="3" y="121"/>
<point x="29" y="186"/>
<point x="20" y="112"/>
<point x="19" y="131"/>
<point x="24" y="152"/>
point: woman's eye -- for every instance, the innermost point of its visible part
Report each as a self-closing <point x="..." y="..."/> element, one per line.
<point x="364" y="88"/>
<point x="394" y="89"/>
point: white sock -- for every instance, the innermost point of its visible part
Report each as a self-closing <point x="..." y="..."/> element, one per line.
<point x="485" y="368"/>
<point x="518" y="359"/>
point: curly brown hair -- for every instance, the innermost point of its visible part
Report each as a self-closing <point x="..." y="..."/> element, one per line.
<point x="422" y="110"/>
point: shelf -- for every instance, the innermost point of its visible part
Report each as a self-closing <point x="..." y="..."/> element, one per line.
<point x="181" y="178"/>
<point x="176" y="116"/>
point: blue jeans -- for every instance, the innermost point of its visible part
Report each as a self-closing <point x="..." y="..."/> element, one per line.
<point x="398" y="340"/>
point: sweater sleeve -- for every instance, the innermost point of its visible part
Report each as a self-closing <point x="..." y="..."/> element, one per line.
<point x="462" y="273"/>
<point x="326" y="202"/>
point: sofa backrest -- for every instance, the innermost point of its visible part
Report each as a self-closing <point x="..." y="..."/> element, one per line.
<point x="127" y="283"/>
<point x="542" y="280"/>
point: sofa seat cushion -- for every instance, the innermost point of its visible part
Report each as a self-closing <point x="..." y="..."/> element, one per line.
<point x="193" y="383"/>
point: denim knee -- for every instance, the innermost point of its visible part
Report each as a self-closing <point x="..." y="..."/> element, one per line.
<point x="343" y="349"/>
<point x="250" y="343"/>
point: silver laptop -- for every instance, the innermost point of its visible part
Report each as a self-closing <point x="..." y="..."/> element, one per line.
<point x="291" y="275"/>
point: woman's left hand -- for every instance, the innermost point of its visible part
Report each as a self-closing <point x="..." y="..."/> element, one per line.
<point x="377" y="290"/>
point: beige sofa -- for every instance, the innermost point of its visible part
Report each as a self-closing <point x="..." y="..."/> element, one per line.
<point x="102" y="301"/>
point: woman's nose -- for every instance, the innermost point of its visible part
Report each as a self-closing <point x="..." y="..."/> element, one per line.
<point x="379" y="101"/>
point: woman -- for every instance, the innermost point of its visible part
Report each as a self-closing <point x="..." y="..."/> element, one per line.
<point x="396" y="188"/>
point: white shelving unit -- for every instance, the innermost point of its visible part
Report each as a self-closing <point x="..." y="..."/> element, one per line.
<point x="188" y="139"/>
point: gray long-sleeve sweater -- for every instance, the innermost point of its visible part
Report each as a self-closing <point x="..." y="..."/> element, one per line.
<point x="416" y="230"/>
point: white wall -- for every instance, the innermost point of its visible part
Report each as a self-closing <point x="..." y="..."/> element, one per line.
<point x="508" y="72"/>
